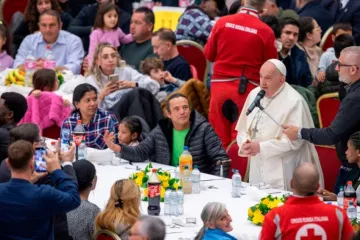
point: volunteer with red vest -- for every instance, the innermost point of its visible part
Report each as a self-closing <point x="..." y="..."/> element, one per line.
<point x="238" y="45"/>
<point x="304" y="216"/>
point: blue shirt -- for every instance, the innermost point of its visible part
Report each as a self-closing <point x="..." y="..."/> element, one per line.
<point x="67" y="50"/>
<point x="27" y="210"/>
<point x="95" y="129"/>
<point x="216" y="234"/>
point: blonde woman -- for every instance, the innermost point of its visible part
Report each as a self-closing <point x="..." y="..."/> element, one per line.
<point x="106" y="62"/>
<point x="217" y="222"/>
<point x="122" y="209"/>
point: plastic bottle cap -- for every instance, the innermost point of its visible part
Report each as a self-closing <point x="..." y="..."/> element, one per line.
<point x="79" y="121"/>
<point x="53" y="143"/>
<point x="186" y="148"/>
<point x="349" y="182"/>
<point x="154" y="170"/>
<point x="195" y="166"/>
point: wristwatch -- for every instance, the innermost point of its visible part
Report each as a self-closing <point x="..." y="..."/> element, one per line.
<point x="298" y="135"/>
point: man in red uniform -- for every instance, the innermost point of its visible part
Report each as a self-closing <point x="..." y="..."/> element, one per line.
<point x="304" y="216"/>
<point x="238" y="45"/>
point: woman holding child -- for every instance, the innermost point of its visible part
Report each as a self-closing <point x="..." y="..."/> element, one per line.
<point x="113" y="80"/>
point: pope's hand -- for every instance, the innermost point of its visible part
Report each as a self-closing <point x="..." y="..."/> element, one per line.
<point x="291" y="132"/>
<point x="251" y="148"/>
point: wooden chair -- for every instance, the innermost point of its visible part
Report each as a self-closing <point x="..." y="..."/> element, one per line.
<point x="194" y="55"/>
<point x="167" y="17"/>
<point x="9" y="7"/>
<point x="326" y="40"/>
<point x="327" y="107"/>
<point x="330" y="165"/>
<point x="104" y="234"/>
<point x="240" y="163"/>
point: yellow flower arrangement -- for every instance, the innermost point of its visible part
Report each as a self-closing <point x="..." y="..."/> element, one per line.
<point x="256" y="213"/>
<point x="141" y="178"/>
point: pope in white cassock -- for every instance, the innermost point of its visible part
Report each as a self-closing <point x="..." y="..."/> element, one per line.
<point x="273" y="157"/>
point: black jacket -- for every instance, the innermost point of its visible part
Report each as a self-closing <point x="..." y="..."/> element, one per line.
<point x="5" y="140"/>
<point x="319" y="13"/>
<point x="81" y="25"/>
<point x="204" y="145"/>
<point x="23" y="29"/>
<point x="346" y="122"/>
<point x="61" y="231"/>
<point x="139" y="102"/>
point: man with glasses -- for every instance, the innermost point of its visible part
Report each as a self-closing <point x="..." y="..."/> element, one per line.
<point x="273" y="157"/>
<point x="347" y="120"/>
<point x="13" y="107"/>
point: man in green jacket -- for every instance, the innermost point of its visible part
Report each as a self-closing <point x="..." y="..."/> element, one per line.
<point x="273" y="10"/>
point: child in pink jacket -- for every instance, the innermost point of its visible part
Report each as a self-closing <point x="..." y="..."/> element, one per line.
<point x="106" y="29"/>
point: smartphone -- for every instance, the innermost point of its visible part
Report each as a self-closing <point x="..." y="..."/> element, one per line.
<point x="40" y="162"/>
<point x="114" y="78"/>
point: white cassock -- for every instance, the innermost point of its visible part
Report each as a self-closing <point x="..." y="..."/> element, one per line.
<point x="278" y="156"/>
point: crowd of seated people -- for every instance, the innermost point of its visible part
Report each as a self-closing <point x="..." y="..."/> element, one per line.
<point x="118" y="53"/>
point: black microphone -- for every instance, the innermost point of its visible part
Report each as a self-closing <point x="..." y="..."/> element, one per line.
<point x="256" y="102"/>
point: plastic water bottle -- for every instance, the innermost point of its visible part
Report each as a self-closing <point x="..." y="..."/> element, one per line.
<point x="349" y="195"/>
<point x="340" y="197"/>
<point x="167" y="202"/>
<point x="82" y="151"/>
<point x="174" y="207"/>
<point x="351" y="211"/>
<point x="180" y="194"/>
<point x="65" y="140"/>
<point x="236" y="184"/>
<point x="78" y="136"/>
<point x="195" y="179"/>
<point x="30" y="65"/>
<point x="177" y="172"/>
<point x="49" y="59"/>
<point x="186" y="181"/>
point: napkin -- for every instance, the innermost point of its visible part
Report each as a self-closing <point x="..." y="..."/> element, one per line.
<point x="101" y="157"/>
<point x="255" y="194"/>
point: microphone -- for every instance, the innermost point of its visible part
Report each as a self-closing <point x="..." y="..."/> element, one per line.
<point x="256" y="102"/>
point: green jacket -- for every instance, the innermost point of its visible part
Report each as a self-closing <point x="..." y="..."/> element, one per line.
<point x="311" y="101"/>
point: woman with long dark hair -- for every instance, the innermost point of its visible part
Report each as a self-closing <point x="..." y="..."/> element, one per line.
<point x="94" y="120"/>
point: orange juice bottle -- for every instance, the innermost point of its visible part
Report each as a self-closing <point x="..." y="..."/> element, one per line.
<point x="185" y="160"/>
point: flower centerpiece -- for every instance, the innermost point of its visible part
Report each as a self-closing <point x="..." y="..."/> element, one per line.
<point x="142" y="177"/>
<point x="256" y="213"/>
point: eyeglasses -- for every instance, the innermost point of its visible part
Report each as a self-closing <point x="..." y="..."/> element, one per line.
<point x="339" y="64"/>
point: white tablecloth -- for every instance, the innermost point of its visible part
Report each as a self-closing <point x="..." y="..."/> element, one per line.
<point x="193" y="205"/>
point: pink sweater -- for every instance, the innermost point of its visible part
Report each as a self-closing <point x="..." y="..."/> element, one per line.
<point x="114" y="37"/>
<point x="46" y="110"/>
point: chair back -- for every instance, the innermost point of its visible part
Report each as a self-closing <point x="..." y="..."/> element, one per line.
<point x="240" y="163"/>
<point x="194" y="55"/>
<point x="52" y="132"/>
<point x="104" y="234"/>
<point x="327" y="107"/>
<point x="9" y="7"/>
<point x="326" y="40"/>
<point x="167" y="17"/>
<point x="330" y="165"/>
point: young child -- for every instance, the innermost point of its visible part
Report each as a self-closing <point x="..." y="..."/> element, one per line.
<point x="45" y="80"/>
<point x="106" y="29"/>
<point x="130" y="129"/>
<point x="154" y="67"/>
<point x="329" y="57"/>
<point x="6" y="61"/>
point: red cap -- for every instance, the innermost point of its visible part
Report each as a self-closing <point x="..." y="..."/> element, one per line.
<point x="79" y="121"/>
<point x="349" y="182"/>
<point x="53" y="143"/>
<point x="154" y="170"/>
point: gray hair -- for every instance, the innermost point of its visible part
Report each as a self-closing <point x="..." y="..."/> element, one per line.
<point x="353" y="54"/>
<point x="210" y="213"/>
<point x="152" y="227"/>
<point x="257" y="4"/>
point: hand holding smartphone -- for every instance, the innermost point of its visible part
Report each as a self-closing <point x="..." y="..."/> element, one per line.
<point x="114" y="78"/>
<point x="40" y="162"/>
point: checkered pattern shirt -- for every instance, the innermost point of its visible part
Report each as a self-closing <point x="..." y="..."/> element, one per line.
<point x="194" y="25"/>
<point x="95" y="129"/>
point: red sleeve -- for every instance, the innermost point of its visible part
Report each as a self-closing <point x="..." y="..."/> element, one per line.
<point x="270" y="48"/>
<point x="347" y="231"/>
<point x="269" y="228"/>
<point x="210" y="46"/>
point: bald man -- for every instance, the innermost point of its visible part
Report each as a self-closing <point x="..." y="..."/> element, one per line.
<point x="304" y="216"/>
<point x="346" y="122"/>
<point x="273" y="157"/>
